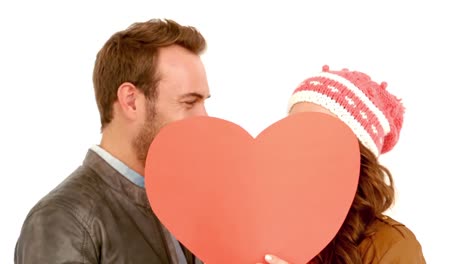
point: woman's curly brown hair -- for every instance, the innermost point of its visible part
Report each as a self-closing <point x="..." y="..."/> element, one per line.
<point x="373" y="197"/>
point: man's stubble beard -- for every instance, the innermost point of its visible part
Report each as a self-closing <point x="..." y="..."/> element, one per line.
<point x="148" y="131"/>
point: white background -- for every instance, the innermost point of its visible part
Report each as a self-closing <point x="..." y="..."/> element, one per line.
<point x="258" y="52"/>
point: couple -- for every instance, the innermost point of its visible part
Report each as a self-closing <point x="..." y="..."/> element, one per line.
<point x="150" y="75"/>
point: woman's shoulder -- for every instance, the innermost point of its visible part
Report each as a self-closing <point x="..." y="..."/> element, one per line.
<point x="390" y="230"/>
<point x="390" y="241"/>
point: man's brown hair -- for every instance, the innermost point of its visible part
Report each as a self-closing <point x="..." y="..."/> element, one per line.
<point x="131" y="56"/>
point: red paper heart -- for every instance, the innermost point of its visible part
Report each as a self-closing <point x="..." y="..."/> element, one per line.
<point x="230" y="198"/>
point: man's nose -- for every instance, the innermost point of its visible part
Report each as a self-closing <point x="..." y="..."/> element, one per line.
<point x="202" y="111"/>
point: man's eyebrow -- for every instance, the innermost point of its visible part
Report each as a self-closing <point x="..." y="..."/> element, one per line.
<point x="194" y="94"/>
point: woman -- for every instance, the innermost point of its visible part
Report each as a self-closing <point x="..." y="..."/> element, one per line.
<point x="376" y="117"/>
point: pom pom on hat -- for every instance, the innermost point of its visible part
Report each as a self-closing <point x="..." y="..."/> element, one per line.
<point x="374" y="114"/>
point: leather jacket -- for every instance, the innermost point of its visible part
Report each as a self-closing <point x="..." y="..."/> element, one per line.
<point x="94" y="216"/>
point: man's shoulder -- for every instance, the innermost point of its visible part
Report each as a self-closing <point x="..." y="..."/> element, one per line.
<point x="76" y="196"/>
<point x="58" y="227"/>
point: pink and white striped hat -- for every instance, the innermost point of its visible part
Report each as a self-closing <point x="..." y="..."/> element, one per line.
<point x="374" y="115"/>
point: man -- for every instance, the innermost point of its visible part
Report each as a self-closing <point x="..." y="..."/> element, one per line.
<point x="145" y="77"/>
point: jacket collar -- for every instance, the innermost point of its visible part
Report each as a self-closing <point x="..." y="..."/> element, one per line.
<point x="117" y="175"/>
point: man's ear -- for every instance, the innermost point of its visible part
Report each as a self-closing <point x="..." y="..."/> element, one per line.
<point x="127" y="95"/>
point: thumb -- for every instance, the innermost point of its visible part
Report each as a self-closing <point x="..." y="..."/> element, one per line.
<point x="274" y="260"/>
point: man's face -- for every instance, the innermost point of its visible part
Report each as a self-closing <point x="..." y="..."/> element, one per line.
<point x="182" y="92"/>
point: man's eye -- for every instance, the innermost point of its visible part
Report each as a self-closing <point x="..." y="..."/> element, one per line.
<point x="190" y="102"/>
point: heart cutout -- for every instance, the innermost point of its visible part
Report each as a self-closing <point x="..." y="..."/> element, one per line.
<point x="232" y="198"/>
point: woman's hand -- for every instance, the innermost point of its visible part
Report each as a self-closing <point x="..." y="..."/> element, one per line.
<point x="274" y="260"/>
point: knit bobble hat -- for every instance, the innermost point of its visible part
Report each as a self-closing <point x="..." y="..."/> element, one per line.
<point x="372" y="113"/>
